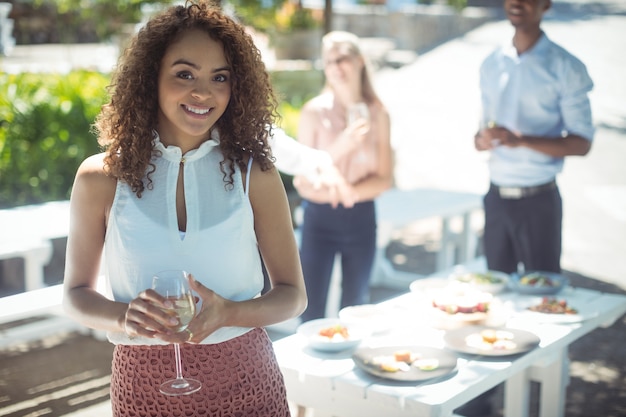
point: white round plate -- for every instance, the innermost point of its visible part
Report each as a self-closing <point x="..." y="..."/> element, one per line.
<point x="376" y="318"/>
<point x="425" y="285"/>
<point x="583" y="312"/>
<point x="310" y="330"/>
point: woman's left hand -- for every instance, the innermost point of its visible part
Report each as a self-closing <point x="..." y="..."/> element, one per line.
<point x="211" y="314"/>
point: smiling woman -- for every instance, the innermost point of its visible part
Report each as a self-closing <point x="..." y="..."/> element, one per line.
<point x="187" y="183"/>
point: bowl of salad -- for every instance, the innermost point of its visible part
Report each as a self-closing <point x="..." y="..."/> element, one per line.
<point x="493" y="282"/>
<point x="539" y="282"/>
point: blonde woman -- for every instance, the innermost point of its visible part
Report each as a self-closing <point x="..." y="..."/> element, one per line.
<point x="349" y="121"/>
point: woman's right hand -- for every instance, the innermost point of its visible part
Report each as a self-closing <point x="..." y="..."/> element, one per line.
<point x="350" y="139"/>
<point x="145" y="316"/>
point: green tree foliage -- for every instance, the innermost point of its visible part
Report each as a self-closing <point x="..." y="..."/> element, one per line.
<point x="259" y="14"/>
<point x="45" y="132"/>
<point x="105" y="17"/>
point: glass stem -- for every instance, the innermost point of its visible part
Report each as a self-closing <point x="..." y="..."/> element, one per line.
<point x="179" y="362"/>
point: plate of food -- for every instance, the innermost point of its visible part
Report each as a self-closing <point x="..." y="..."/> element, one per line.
<point x="458" y="299"/>
<point x="377" y="318"/>
<point x="406" y="363"/>
<point x="538" y="283"/>
<point x="332" y="335"/>
<point x="551" y="309"/>
<point x="493" y="282"/>
<point x="458" y="305"/>
<point x="491" y="341"/>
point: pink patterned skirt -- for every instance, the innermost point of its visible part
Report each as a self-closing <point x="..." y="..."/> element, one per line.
<point x="240" y="377"/>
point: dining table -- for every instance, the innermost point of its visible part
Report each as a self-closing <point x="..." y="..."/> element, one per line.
<point x="335" y="383"/>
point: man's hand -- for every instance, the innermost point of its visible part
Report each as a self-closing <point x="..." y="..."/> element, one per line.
<point x="494" y="136"/>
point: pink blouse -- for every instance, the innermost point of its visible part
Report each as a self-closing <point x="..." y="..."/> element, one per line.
<point x="361" y="162"/>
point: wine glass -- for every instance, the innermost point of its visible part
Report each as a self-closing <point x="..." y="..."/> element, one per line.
<point x="360" y="112"/>
<point x="174" y="285"/>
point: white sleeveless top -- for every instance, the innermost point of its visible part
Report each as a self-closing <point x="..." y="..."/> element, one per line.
<point x="219" y="246"/>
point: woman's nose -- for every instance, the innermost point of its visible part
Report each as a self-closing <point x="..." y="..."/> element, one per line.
<point x="201" y="90"/>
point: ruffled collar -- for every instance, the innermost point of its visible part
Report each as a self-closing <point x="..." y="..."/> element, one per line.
<point x="174" y="153"/>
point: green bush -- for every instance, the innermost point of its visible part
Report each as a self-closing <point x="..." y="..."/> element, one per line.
<point x="45" y="123"/>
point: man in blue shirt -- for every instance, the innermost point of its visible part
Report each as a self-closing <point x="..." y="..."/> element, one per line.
<point x="536" y="111"/>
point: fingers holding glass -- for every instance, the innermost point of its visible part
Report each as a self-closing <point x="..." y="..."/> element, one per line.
<point x="177" y="304"/>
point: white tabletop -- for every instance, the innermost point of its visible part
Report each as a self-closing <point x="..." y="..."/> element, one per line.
<point x="331" y="382"/>
<point x="401" y="207"/>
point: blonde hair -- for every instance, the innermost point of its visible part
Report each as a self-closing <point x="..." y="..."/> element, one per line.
<point x="349" y="43"/>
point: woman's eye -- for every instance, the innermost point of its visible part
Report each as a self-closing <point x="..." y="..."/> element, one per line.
<point x="186" y="75"/>
<point x="221" y="78"/>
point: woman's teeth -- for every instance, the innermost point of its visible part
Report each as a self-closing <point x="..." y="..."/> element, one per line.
<point x="196" y="111"/>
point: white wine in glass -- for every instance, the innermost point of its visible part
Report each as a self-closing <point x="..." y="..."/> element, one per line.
<point x="359" y="112"/>
<point x="174" y="285"/>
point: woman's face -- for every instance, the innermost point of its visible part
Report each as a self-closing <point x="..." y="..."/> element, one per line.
<point x="194" y="89"/>
<point x="341" y="67"/>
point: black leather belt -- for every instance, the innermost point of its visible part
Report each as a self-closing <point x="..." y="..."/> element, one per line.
<point x="515" y="193"/>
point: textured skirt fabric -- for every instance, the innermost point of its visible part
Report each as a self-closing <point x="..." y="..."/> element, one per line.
<point x="240" y="377"/>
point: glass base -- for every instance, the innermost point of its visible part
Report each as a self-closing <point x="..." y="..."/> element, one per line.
<point x="180" y="386"/>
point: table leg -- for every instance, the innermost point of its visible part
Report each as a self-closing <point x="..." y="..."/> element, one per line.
<point x="445" y="257"/>
<point x="468" y="243"/>
<point x="517" y="395"/>
<point x="554" y="387"/>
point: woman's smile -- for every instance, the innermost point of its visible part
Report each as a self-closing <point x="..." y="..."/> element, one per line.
<point x="201" y="111"/>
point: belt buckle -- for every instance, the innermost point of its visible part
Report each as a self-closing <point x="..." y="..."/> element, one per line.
<point x="511" y="192"/>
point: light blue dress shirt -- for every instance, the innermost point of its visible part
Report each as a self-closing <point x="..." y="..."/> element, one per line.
<point x="543" y="92"/>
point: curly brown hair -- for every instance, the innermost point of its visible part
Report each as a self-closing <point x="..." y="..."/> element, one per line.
<point x="125" y="125"/>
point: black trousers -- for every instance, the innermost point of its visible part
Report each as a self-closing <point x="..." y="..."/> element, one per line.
<point x="526" y="230"/>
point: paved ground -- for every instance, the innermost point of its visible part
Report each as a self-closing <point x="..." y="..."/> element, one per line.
<point x="434" y="108"/>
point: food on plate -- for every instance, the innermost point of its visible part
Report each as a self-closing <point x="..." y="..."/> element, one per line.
<point x="551" y="305"/>
<point x="480" y="278"/>
<point x="538" y="280"/>
<point x="403" y="356"/>
<point x="388" y="363"/>
<point x="402" y="360"/>
<point x="492" y="282"/>
<point x="428" y="364"/>
<point x="489" y="335"/>
<point x="335" y="333"/>
<point x="465" y="302"/>
<point x="491" y="339"/>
